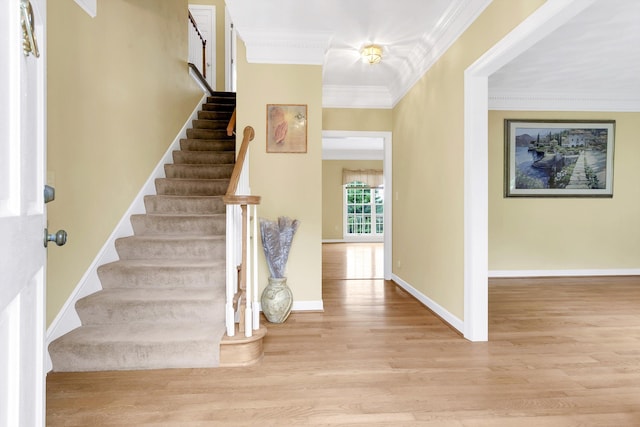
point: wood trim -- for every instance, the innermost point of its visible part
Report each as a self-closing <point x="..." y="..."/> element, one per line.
<point x="232" y="123"/>
<point x="248" y="136"/>
<point x="239" y="350"/>
<point x="198" y="75"/>
<point x="241" y="200"/>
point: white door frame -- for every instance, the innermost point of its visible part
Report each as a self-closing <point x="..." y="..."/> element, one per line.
<point x="546" y="19"/>
<point x="387" y="165"/>
<point x="230" y="41"/>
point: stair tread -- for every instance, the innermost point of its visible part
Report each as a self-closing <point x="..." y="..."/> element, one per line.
<point x="185" y="197"/>
<point x="181" y="215"/>
<point x="201" y="165"/>
<point x="227" y="139"/>
<point x="158" y="295"/>
<point x="168" y="263"/>
<point x="163" y="272"/>
<point x="175" y="238"/>
<point x="198" y="180"/>
<point x="205" y="153"/>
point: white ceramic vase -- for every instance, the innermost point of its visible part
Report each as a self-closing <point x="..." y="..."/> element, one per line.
<point x="277" y="300"/>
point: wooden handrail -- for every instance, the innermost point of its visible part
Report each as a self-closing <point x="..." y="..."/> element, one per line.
<point x="248" y="135"/>
<point x="232" y="123"/>
<point x="204" y="44"/>
<point x="193" y="22"/>
<point x="201" y="78"/>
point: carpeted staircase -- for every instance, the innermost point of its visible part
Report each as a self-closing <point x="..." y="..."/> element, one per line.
<point x="162" y="302"/>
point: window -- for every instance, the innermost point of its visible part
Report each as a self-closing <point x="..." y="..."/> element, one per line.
<point x="363" y="208"/>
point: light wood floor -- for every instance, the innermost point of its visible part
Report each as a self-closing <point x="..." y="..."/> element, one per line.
<point x="562" y="352"/>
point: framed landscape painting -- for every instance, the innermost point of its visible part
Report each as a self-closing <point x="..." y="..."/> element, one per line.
<point x="558" y="158"/>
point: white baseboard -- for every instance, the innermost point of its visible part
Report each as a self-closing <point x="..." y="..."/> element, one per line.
<point x="451" y="319"/>
<point x="308" y="306"/>
<point x="563" y="273"/>
<point x="352" y="241"/>
<point x="67" y="319"/>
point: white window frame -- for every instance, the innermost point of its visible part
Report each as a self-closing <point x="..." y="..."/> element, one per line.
<point x="372" y="237"/>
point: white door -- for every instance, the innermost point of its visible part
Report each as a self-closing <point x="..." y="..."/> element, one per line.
<point x="22" y="217"/>
<point x="205" y="17"/>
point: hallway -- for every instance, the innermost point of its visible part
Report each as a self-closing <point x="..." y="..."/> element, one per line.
<point x="352" y="261"/>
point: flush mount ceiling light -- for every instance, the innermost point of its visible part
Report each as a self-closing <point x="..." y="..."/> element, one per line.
<point x="372" y="54"/>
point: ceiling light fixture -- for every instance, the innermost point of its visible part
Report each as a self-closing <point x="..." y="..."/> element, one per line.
<point x="372" y="54"/>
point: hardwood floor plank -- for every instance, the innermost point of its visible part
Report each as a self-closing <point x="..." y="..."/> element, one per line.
<point x="561" y="352"/>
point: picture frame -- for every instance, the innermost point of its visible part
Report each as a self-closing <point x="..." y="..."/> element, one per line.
<point x="286" y="128"/>
<point x="558" y="158"/>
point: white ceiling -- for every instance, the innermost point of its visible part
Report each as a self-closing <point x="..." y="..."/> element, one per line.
<point x="331" y="33"/>
<point x="591" y="62"/>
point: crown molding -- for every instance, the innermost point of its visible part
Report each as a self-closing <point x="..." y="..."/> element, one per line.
<point x="432" y="46"/>
<point x="337" y="96"/>
<point x="275" y="47"/>
<point x="89" y="6"/>
<point x="557" y="101"/>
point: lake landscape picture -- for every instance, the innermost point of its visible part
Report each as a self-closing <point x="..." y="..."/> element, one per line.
<point x="558" y="158"/>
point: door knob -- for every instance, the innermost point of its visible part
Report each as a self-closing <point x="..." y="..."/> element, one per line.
<point x="60" y="237"/>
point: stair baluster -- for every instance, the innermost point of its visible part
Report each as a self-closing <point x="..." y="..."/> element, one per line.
<point x="242" y="236"/>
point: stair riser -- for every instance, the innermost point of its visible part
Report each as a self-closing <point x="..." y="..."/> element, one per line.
<point x="222" y="99"/>
<point x="83" y="357"/>
<point x="198" y="171"/>
<point x="207" y="134"/>
<point x="215" y="115"/>
<point x="117" y="312"/>
<point x="221" y="108"/>
<point x="203" y="157"/>
<point x="153" y="225"/>
<point x="215" y="124"/>
<point x="208" y="145"/>
<point x="186" y="187"/>
<point x="131" y="248"/>
<point x="115" y="275"/>
<point x="184" y="205"/>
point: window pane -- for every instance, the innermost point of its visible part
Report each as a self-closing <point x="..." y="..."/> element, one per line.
<point x="363" y="209"/>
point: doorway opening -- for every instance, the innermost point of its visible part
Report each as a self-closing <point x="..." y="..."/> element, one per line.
<point x="358" y="216"/>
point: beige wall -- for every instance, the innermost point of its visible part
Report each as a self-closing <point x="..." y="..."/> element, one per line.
<point x="357" y="119"/>
<point x="118" y="93"/>
<point x="332" y="194"/>
<point x="290" y="184"/>
<point x="220" y="35"/>
<point x="566" y="233"/>
<point x="428" y="167"/>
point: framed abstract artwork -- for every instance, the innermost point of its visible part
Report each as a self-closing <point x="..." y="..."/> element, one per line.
<point x="286" y="128"/>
